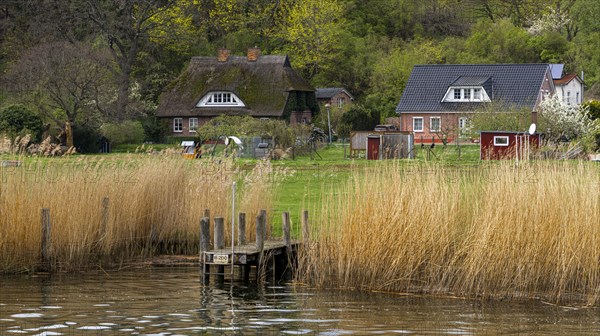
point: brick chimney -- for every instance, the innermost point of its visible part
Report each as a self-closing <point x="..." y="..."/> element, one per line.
<point x="253" y="54"/>
<point x="223" y="55"/>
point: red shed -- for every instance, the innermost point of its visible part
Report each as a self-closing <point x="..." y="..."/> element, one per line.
<point x="499" y="145"/>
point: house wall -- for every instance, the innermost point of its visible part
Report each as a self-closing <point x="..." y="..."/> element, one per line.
<point x="186" y="123"/>
<point x="449" y="126"/>
<point x="333" y="102"/>
<point x="488" y="151"/>
<point x="304" y="117"/>
<point x="575" y="88"/>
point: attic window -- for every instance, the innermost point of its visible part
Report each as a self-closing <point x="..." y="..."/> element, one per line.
<point x="220" y="98"/>
<point x="466" y="94"/>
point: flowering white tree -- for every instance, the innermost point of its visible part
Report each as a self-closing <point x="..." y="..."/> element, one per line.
<point x="562" y="121"/>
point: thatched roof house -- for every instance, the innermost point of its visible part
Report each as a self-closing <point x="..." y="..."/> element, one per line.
<point x="259" y="86"/>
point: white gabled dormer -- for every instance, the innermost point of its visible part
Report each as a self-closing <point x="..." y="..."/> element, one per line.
<point x="468" y="89"/>
<point x="220" y="99"/>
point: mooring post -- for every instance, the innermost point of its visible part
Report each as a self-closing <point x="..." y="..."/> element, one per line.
<point x="219" y="238"/>
<point x="305" y="228"/>
<point x="241" y="229"/>
<point x="104" y="226"/>
<point x="204" y="243"/>
<point x="207" y="213"/>
<point x="46" y="241"/>
<point x="260" y="233"/>
<point x="286" y="232"/>
<point x="260" y="242"/>
<point x="263" y="214"/>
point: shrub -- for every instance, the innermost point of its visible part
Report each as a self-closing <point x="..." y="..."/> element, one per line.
<point x="19" y="120"/>
<point x="129" y="131"/>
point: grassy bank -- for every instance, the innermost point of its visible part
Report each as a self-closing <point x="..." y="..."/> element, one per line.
<point x="154" y="206"/>
<point x="487" y="231"/>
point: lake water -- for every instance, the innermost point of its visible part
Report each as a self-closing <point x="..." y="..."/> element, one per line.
<point x="174" y="301"/>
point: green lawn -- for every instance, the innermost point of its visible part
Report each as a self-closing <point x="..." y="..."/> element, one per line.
<point x="307" y="177"/>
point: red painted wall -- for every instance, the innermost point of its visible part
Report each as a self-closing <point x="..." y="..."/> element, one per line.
<point x="489" y="151"/>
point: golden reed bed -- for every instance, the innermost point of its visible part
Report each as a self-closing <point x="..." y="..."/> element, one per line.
<point x="493" y="230"/>
<point x="154" y="203"/>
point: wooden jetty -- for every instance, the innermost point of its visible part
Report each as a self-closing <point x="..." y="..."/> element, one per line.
<point x="275" y="256"/>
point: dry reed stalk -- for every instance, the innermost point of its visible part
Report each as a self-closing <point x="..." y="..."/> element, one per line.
<point x="498" y="231"/>
<point x="154" y="202"/>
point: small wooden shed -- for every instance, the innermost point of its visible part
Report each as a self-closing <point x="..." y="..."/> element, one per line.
<point x="502" y="145"/>
<point x="389" y="145"/>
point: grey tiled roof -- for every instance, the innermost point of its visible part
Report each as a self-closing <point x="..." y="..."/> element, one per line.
<point x="328" y="93"/>
<point x="470" y="80"/>
<point x="513" y="85"/>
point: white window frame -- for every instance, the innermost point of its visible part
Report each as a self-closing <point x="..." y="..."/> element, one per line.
<point x="193" y="125"/>
<point x="466" y="94"/>
<point x="177" y="125"/>
<point x="413" y="124"/>
<point x="464" y="124"/>
<point x="340" y="102"/>
<point x="501" y="137"/>
<point x="439" y="128"/>
<point x="456" y="92"/>
<point x="220" y="99"/>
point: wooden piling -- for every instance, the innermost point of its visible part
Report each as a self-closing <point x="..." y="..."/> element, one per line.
<point x="260" y="233"/>
<point x="266" y="232"/>
<point x="204" y="243"/>
<point x="305" y="227"/>
<point x="219" y="232"/>
<point x="286" y="231"/>
<point x="46" y="238"/>
<point x="241" y="229"/>
<point x="219" y="239"/>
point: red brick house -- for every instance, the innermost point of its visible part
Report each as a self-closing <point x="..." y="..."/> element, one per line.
<point x="439" y="100"/>
<point x="335" y="97"/>
<point x="261" y="86"/>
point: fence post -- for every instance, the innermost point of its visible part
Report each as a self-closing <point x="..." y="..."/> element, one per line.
<point x="242" y="229"/>
<point x="46" y="238"/>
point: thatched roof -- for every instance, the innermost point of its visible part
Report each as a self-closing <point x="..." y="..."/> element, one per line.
<point x="262" y="85"/>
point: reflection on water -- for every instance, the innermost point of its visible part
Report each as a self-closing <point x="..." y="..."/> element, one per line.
<point x="175" y="302"/>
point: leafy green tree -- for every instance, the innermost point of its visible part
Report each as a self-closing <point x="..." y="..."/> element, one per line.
<point x="126" y="26"/>
<point x="498" y="42"/>
<point x="391" y="73"/>
<point x="593" y="108"/>
<point x="496" y="117"/>
<point x="68" y="83"/>
<point x="19" y="120"/>
<point x="358" y="118"/>
<point x="311" y="30"/>
<point x="127" y="132"/>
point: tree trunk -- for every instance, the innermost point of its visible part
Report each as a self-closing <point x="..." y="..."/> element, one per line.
<point x="69" y="134"/>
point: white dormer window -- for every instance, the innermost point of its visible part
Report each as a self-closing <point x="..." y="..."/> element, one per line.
<point x="220" y="99"/>
<point x="466" y="94"/>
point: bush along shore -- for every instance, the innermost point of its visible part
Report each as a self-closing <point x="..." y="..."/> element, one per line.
<point x="97" y="212"/>
<point x="493" y="231"/>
